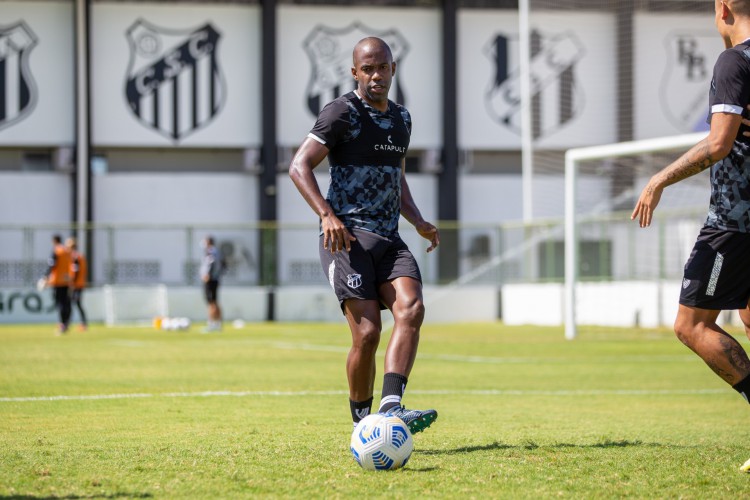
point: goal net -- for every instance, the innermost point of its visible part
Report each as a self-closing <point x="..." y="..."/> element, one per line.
<point x="134" y="305"/>
<point x="617" y="273"/>
<point x="631" y="96"/>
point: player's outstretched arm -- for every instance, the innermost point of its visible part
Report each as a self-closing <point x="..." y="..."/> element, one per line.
<point x="411" y="213"/>
<point x="717" y="145"/>
<point x="309" y="155"/>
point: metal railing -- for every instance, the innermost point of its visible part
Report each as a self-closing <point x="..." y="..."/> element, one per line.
<point x="287" y="254"/>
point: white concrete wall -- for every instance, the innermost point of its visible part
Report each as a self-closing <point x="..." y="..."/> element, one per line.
<point x="28" y="198"/>
<point x="181" y="199"/>
<point x="624" y="304"/>
<point x="309" y="303"/>
<point x="620" y="304"/>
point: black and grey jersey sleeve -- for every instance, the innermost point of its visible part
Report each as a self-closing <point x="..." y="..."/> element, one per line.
<point x="333" y="124"/>
<point x="730" y="92"/>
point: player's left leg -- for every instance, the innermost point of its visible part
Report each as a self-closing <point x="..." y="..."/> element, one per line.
<point x="76" y="300"/>
<point x="403" y="296"/>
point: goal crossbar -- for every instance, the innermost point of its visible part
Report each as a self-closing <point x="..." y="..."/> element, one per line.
<point x="573" y="157"/>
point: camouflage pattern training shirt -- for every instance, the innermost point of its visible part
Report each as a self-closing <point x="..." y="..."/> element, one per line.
<point x="729" y="208"/>
<point x="366" y="149"/>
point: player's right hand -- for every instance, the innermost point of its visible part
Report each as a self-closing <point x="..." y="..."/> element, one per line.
<point x="646" y="204"/>
<point x="336" y="237"/>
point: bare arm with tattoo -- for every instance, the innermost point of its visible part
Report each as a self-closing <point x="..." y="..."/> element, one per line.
<point x="716" y="146"/>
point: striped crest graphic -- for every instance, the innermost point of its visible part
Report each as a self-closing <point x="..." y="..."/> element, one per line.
<point x="330" y="53"/>
<point x="18" y="92"/>
<point x="556" y="96"/>
<point x="174" y="83"/>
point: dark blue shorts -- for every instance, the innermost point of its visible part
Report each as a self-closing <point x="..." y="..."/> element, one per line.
<point x="372" y="261"/>
<point x="717" y="274"/>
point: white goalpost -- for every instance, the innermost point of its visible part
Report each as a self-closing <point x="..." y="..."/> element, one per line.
<point x="134" y="304"/>
<point x="574" y="216"/>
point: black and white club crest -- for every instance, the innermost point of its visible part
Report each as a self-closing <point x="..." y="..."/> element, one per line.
<point x="686" y="78"/>
<point x="18" y="91"/>
<point x="330" y="52"/>
<point x="556" y="95"/>
<point x="174" y="83"/>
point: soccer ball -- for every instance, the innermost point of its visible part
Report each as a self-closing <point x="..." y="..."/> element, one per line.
<point x="381" y="442"/>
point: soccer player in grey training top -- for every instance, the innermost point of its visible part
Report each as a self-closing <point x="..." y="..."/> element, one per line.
<point x="212" y="267"/>
<point x="717" y="274"/>
<point x="365" y="136"/>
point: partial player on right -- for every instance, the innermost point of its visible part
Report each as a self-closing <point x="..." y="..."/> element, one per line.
<point x="717" y="273"/>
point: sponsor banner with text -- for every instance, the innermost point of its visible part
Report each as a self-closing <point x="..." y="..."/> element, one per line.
<point x="27" y="305"/>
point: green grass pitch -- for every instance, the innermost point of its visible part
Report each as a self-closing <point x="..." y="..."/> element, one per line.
<point x="262" y="412"/>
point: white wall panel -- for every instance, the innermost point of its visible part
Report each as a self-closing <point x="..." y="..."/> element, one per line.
<point x="35" y="198"/>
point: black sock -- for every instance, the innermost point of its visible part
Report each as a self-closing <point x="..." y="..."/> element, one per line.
<point x="743" y="387"/>
<point x="394" y="386"/>
<point x="360" y="409"/>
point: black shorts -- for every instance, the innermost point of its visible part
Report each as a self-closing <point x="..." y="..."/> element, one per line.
<point x="717" y="274"/>
<point x="211" y="287"/>
<point x="372" y="261"/>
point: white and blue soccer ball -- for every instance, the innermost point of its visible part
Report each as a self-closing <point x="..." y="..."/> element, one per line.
<point x="381" y="442"/>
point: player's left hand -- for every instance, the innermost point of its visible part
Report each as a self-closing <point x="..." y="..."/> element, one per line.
<point x="429" y="232"/>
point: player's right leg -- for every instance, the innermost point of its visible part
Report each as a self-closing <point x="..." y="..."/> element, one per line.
<point x="745" y="317"/>
<point x="352" y="276"/>
<point x="364" y="321"/>
<point x="697" y="329"/>
<point x="716" y="278"/>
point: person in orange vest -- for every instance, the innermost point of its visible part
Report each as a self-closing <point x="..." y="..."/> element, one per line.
<point x="58" y="278"/>
<point x="78" y="276"/>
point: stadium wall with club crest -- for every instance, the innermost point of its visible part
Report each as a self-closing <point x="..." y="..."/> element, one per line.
<point x="156" y="113"/>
